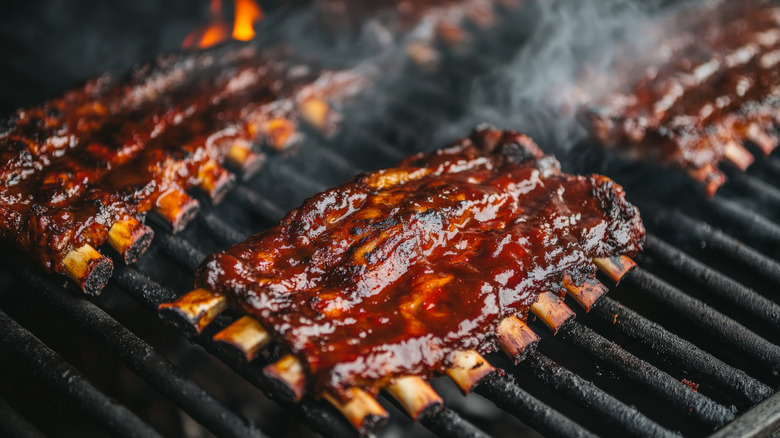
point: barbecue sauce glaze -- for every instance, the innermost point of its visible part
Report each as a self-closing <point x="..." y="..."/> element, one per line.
<point x="395" y="270"/>
<point x="77" y="164"/>
<point x="711" y="80"/>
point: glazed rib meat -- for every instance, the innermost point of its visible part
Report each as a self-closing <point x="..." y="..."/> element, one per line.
<point x="419" y="25"/>
<point x="103" y="155"/>
<point x="397" y="270"/>
<point x="702" y="93"/>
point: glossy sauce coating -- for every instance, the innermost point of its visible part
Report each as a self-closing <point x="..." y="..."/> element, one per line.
<point x="77" y="164"/>
<point x="717" y="82"/>
<point x="392" y="272"/>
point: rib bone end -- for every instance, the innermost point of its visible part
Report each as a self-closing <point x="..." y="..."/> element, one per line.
<point x="176" y="208"/>
<point x="288" y="371"/>
<point x="197" y="308"/>
<point x="361" y="409"/>
<point x="587" y="293"/>
<point x="516" y="338"/>
<point x="415" y="395"/>
<point x="709" y="177"/>
<point x="243" y="159"/>
<point x="280" y="133"/>
<point x="738" y="155"/>
<point x="246" y="335"/>
<point x="551" y="310"/>
<point x="615" y="267"/>
<point x="317" y="113"/>
<point x="88" y="268"/>
<point x="130" y="239"/>
<point x="215" y="180"/>
<point x="468" y="368"/>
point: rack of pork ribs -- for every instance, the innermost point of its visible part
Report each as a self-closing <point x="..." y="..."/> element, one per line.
<point x="421" y="26"/>
<point x="85" y="168"/>
<point x="700" y="95"/>
<point x="406" y="273"/>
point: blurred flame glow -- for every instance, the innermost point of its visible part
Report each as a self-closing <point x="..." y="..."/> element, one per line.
<point x="217" y="30"/>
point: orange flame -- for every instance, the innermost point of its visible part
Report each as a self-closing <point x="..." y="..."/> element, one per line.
<point x="247" y="14"/>
<point x="217" y="29"/>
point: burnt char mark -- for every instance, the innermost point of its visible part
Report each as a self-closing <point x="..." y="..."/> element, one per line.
<point x="99" y="272"/>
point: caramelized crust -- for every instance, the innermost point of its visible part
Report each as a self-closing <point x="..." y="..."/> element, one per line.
<point x="701" y="94"/>
<point x="77" y="164"/>
<point x="396" y="270"/>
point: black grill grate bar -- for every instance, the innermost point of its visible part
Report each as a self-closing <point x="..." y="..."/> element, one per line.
<point x="448" y="423"/>
<point x="628" y="420"/>
<point x="140" y="357"/>
<point x="697" y="231"/>
<point x="184" y="253"/>
<point x="219" y="229"/>
<point x="504" y="392"/>
<point x="298" y="179"/>
<point x="14" y="425"/>
<point x="718" y="325"/>
<point x="755" y="186"/>
<point x="763" y="420"/>
<point x="257" y="204"/>
<point x="151" y="294"/>
<point x="735" y="293"/>
<point x="657" y="382"/>
<point x="377" y="143"/>
<point x="181" y="251"/>
<point x="69" y="381"/>
<point x="733" y="213"/>
<point x="684" y="354"/>
<point x="773" y="164"/>
<point x="341" y="162"/>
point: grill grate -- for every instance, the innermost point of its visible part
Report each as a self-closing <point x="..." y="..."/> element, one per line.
<point x="647" y="351"/>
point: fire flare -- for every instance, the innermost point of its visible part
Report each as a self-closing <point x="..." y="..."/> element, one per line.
<point x="217" y="30"/>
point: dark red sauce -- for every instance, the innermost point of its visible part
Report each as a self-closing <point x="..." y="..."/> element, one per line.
<point x="392" y="272"/>
<point x="716" y="83"/>
<point x="77" y="164"/>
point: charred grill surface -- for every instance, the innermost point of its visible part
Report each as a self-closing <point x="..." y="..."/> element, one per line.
<point x="401" y="271"/>
<point x="77" y="167"/>
<point x="700" y="95"/>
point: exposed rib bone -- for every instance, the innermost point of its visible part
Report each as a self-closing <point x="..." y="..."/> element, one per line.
<point x="709" y="177"/>
<point x="551" y="310"/>
<point x="246" y="335"/>
<point x="241" y="158"/>
<point x="515" y="338"/>
<point x="177" y="208"/>
<point x="130" y="238"/>
<point x="468" y="368"/>
<point x="289" y="372"/>
<point x="415" y="395"/>
<point x="764" y="140"/>
<point x="615" y="267"/>
<point x="316" y="112"/>
<point x="198" y="308"/>
<point x="280" y="133"/>
<point x="215" y="180"/>
<point x="88" y="268"/>
<point x="587" y="293"/>
<point x="738" y="155"/>
<point x="361" y="409"/>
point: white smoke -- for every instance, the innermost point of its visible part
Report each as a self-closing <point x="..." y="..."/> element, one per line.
<point x="541" y="89"/>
